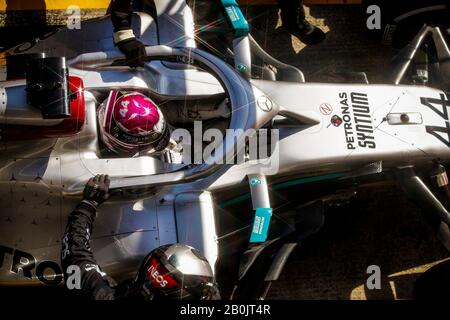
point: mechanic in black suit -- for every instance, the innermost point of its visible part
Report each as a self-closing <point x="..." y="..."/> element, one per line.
<point x="172" y="271"/>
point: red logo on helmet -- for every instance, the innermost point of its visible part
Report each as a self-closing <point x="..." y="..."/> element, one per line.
<point x="159" y="276"/>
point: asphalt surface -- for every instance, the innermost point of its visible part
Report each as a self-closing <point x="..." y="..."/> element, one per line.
<point x="382" y="227"/>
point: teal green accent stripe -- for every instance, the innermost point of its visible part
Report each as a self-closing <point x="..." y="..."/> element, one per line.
<point x="234" y="200"/>
<point x="282" y="185"/>
<point x="307" y="180"/>
<point x="261" y="224"/>
<point x="236" y="18"/>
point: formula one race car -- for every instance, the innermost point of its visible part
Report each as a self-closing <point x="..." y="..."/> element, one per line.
<point x="241" y="178"/>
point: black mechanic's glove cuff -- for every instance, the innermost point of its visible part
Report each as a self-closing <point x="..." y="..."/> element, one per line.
<point x="134" y="51"/>
<point x="96" y="190"/>
<point x="87" y="208"/>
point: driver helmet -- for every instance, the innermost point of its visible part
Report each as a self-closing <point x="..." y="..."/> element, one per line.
<point x="131" y="122"/>
<point x="175" y="271"/>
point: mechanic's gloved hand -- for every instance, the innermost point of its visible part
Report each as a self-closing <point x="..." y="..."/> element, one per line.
<point x="96" y="190"/>
<point x="133" y="49"/>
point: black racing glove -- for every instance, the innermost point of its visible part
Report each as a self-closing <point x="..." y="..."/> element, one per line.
<point x="134" y="51"/>
<point x="96" y="190"/>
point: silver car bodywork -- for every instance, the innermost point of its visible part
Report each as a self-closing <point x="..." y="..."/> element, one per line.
<point x="337" y="127"/>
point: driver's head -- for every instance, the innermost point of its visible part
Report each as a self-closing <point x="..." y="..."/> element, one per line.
<point x="131" y="122"/>
<point x="175" y="271"/>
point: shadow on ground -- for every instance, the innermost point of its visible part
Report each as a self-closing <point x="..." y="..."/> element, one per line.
<point x="381" y="228"/>
<point x="348" y="45"/>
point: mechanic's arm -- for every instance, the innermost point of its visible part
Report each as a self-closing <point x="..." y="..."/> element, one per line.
<point x="124" y="38"/>
<point x="121" y="11"/>
<point x="75" y="247"/>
